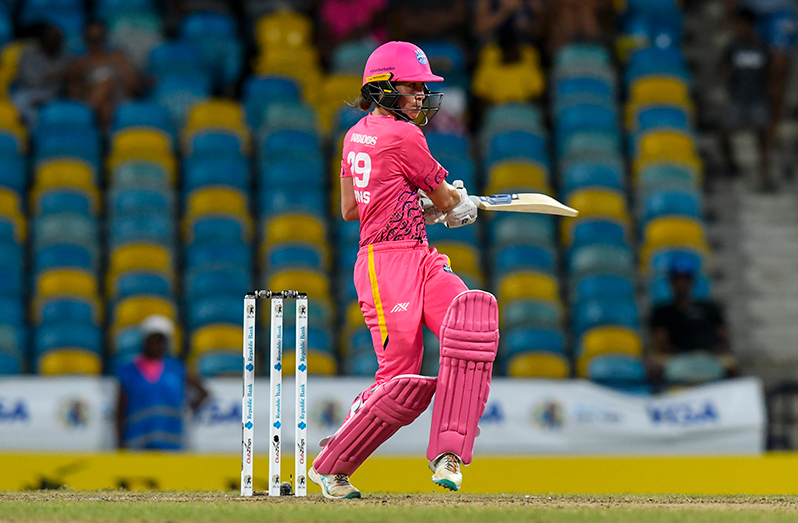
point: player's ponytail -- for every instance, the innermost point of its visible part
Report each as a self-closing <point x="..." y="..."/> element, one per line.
<point x="360" y="103"/>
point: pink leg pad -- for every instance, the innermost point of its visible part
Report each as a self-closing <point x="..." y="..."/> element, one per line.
<point x="393" y="405"/>
<point x="469" y="341"/>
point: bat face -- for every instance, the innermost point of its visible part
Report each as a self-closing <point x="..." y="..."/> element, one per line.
<point x="525" y="202"/>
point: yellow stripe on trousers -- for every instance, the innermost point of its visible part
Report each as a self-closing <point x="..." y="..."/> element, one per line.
<point x="375" y="291"/>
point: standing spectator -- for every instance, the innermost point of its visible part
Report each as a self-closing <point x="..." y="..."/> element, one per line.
<point x="687" y="326"/>
<point x="41" y="72"/>
<point x="746" y="67"/>
<point x="777" y="25"/>
<point x="494" y="17"/>
<point x="103" y="78"/>
<point x="152" y="392"/>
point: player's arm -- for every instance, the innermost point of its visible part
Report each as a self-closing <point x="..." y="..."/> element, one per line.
<point x="348" y="203"/>
<point x="445" y="197"/>
<point x="453" y="200"/>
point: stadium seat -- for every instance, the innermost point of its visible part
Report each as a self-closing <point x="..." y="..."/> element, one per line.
<point x="598" y="286"/>
<point x="538" y="365"/>
<point x="132" y="311"/>
<point x="671" y="203"/>
<point x="59" y="282"/>
<point x="544" y="314"/>
<point x="607" y="175"/>
<point x="524" y="257"/>
<point x="515" y="176"/>
<point x="65" y="255"/>
<point x="693" y="368"/>
<point x="597" y="313"/>
<point x="310" y="282"/>
<point x="295" y="228"/>
<point x="68" y="335"/>
<point x="528" y="285"/>
<point x="604" y="341"/>
<point x="511" y="228"/>
<point x="623" y="373"/>
<point x="229" y="170"/>
<point x="598" y="230"/>
<point x="212" y="255"/>
<point x="136" y="283"/>
<point x="69" y="361"/>
<point x="217" y="308"/>
<point x="203" y="283"/>
<point x="601" y="258"/>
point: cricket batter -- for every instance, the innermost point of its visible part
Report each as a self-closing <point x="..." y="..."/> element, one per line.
<point x="403" y="284"/>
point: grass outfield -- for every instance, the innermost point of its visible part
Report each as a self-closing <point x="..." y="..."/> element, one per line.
<point x="178" y="507"/>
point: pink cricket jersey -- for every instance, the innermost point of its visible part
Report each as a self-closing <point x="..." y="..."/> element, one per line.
<point x="389" y="162"/>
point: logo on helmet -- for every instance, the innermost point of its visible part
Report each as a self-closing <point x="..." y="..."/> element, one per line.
<point x="421" y="57"/>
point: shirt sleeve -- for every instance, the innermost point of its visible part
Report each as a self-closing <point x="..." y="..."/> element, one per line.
<point x="419" y="165"/>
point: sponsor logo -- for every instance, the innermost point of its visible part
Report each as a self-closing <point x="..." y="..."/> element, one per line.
<point x="401" y="307"/>
<point x="363" y="138"/>
<point x="303" y="311"/>
<point x="379" y="77"/>
<point x="248" y="481"/>
<point x="421" y="57"/>
<point x="216" y="412"/>
<point x="276" y="448"/>
<point x="250" y="311"/>
<point x="300" y="445"/>
<point x="596" y="414"/>
<point x="683" y="414"/>
<point x="300" y="481"/>
<point x="248" y="450"/>
<point x="74" y="412"/>
<point x="548" y="415"/>
<point x="276" y="480"/>
<point x="278" y="311"/>
<point x="13" y="410"/>
<point x="493" y="413"/>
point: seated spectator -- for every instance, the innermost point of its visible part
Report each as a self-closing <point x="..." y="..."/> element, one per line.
<point x="152" y="393"/>
<point x="508" y="71"/>
<point x="41" y="72"/>
<point x="493" y="17"/>
<point x="344" y="20"/>
<point x="419" y="20"/>
<point x="103" y="78"/>
<point x="574" y="21"/>
<point x="745" y="69"/>
<point x="686" y="326"/>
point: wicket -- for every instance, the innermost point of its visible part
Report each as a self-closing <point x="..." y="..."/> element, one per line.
<point x="275" y="385"/>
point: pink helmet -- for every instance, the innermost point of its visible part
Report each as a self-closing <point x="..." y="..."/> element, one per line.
<point x="405" y="61"/>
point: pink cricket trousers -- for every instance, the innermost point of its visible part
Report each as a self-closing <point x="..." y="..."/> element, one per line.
<point x="401" y="286"/>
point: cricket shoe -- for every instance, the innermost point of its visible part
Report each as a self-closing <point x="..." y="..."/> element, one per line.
<point x="447" y="471"/>
<point x="334" y="486"/>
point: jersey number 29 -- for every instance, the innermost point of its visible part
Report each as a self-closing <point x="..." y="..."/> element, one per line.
<point x="360" y="165"/>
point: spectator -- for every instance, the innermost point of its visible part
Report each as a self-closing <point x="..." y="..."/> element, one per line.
<point x="574" y="21"/>
<point x="152" y="392"/>
<point x="494" y="17"/>
<point x="509" y="71"/>
<point x="686" y="326"/>
<point x="41" y="72"/>
<point x="777" y="25"/>
<point x="103" y="78"/>
<point x="746" y="73"/>
<point x="419" y="20"/>
<point x="344" y="20"/>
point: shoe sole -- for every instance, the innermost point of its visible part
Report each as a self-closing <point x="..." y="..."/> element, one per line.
<point x="447" y="484"/>
<point x="315" y="477"/>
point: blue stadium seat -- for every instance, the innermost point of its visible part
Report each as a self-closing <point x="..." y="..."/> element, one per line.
<point x="65" y="255"/>
<point x="662" y="117"/>
<point x="215" y="228"/>
<point x="12" y="311"/>
<point x="284" y="114"/>
<point x="140" y="174"/>
<point x="653" y="60"/>
<point x="448" y="59"/>
<point x="141" y="113"/>
<point x="204" y="256"/>
<point x="623" y="373"/>
<point x="517" y="145"/>
<point x="214" y="143"/>
<point x="81" y="145"/>
<point x="295" y="256"/>
<point x="141" y="228"/>
<point x="13" y="173"/>
<point x="593" y="174"/>
<point x="362" y="364"/>
<point x="65" y="200"/>
<point x="216" y="170"/>
<point x="106" y="9"/>
<point x="258" y="91"/>
<point x="13" y="338"/>
<point x="662" y="260"/>
<point x="319" y="339"/>
<point x="585" y="117"/>
<point x="142" y="283"/>
<point x="137" y="202"/>
<point x="510" y="258"/>
<point x="460" y="168"/>
<point x="601" y="286"/>
<point x="69" y="310"/>
<point x="176" y="59"/>
<point x="348" y="233"/>
<point x="62" y="334"/>
<point x="520" y="340"/>
<point x="509" y="228"/>
<point x="447" y="144"/>
<point x="215" y="37"/>
<point x="591" y="231"/>
<point x="10" y="363"/>
<point x="219" y="308"/>
<point x="439" y="233"/>
<point x="219" y="363"/>
<point x="281" y="172"/>
<point x="58" y="228"/>
<point x="671" y="202"/>
<point x="11" y="256"/>
<point x="292" y="199"/>
<point x="65" y="114"/>
<point x="543" y="314"/>
<point x="177" y="93"/>
<point x="573" y="90"/>
<point x="601" y="258"/>
<point x="10" y="283"/>
<point x="213" y="282"/>
<point x="581" y="55"/>
<point x="273" y="144"/>
<point x="594" y="313"/>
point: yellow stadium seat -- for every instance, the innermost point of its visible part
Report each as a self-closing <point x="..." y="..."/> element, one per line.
<point x="283" y="29"/>
<point x="138" y="139"/>
<point x="216" y="200"/>
<point x="592" y="202"/>
<point x="138" y="257"/>
<point x="167" y="161"/>
<point x="660" y="143"/>
<point x="463" y="258"/>
<point x="69" y="361"/>
<point x="298" y="63"/>
<point x="10" y="122"/>
<point x="293" y="228"/>
<point x="319" y="363"/>
<point x="10" y="203"/>
<point x="497" y="81"/>
<point x="528" y="285"/>
<point x="666" y="231"/>
<point x="335" y="91"/>
<point x="215" y="337"/>
<point x="9" y="61"/>
<point x="509" y="177"/>
<point x="601" y="341"/>
<point x="312" y="283"/>
<point x="59" y="282"/>
<point x="216" y="113"/>
<point x="132" y="311"/>
<point x="654" y="89"/>
<point x="60" y="174"/>
<point x="538" y="365"/>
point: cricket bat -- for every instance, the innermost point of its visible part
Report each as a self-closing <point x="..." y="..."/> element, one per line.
<point x="524" y="202"/>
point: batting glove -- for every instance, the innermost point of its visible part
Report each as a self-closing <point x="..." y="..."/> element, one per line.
<point x="465" y="212"/>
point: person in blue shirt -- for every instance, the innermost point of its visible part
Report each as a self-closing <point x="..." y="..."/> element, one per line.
<point x="153" y="391"/>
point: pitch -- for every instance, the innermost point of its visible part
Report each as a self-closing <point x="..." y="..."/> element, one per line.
<point x="178" y="507"/>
